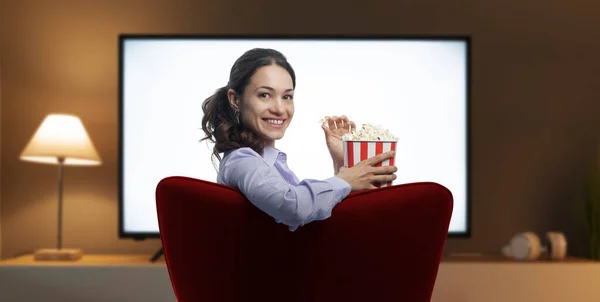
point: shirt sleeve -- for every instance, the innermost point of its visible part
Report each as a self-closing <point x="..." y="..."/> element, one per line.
<point x="264" y="186"/>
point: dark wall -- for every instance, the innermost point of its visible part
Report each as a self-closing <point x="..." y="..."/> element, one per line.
<point x="535" y="102"/>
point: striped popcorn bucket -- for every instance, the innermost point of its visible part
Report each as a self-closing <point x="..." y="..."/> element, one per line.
<point x="357" y="151"/>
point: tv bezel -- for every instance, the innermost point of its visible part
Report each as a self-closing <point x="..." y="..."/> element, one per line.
<point x="123" y="38"/>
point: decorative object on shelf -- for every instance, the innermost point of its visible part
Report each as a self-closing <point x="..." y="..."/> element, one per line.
<point x="527" y="246"/>
<point x="61" y="140"/>
<point x="592" y="208"/>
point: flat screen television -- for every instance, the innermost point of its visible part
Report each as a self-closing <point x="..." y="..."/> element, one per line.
<point x="417" y="87"/>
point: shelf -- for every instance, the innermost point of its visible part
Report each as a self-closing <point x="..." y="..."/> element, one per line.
<point x="88" y="260"/>
<point x="502" y="259"/>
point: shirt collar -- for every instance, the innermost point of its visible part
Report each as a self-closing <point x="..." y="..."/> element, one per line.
<point x="271" y="154"/>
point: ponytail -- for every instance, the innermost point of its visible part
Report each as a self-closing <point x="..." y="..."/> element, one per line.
<point x="222" y="126"/>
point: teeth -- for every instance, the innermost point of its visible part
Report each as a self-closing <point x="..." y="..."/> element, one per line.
<point x="276" y="122"/>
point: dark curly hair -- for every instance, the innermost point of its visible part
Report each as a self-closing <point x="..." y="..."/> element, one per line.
<point x="220" y="123"/>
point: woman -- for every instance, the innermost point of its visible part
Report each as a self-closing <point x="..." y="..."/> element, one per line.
<point x="246" y="117"/>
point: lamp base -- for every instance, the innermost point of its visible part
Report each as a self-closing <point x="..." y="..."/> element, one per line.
<point x="58" y="255"/>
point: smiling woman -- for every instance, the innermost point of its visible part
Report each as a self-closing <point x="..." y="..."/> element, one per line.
<point x="268" y="105"/>
<point x="230" y="123"/>
<point x="247" y="116"/>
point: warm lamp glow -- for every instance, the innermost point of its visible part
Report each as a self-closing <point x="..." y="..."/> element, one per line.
<point x="61" y="136"/>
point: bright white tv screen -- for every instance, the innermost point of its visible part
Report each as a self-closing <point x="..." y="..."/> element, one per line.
<point x="415" y="87"/>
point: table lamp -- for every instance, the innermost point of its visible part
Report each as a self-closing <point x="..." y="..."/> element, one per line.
<point x="61" y="140"/>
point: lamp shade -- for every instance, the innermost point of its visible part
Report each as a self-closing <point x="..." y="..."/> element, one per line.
<point x="61" y="136"/>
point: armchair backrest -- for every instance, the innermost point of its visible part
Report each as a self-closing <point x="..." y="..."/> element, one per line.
<point x="379" y="245"/>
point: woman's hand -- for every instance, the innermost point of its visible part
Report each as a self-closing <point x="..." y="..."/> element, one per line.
<point x="363" y="175"/>
<point x="335" y="129"/>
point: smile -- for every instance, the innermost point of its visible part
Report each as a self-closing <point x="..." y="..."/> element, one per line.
<point x="276" y="123"/>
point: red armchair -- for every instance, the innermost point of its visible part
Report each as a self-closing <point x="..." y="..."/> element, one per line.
<point x="378" y="245"/>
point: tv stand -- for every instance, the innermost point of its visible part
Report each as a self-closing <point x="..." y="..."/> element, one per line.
<point x="157" y="255"/>
<point x="480" y="279"/>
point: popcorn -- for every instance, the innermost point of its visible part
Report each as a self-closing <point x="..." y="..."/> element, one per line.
<point x="370" y="132"/>
<point x="367" y="132"/>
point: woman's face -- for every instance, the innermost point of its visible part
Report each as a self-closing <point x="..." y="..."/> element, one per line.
<point x="267" y="105"/>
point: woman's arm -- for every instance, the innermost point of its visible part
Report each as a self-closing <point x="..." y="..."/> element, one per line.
<point x="336" y="166"/>
<point x="293" y="205"/>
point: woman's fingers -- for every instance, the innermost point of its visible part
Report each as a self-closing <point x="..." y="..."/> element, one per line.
<point x="383" y="178"/>
<point x="340" y="122"/>
<point x="351" y="125"/>
<point x="327" y="130"/>
<point x="379" y="158"/>
<point x="331" y="122"/>
<point x="343" y="122"/>
<point x="385" y="170"/>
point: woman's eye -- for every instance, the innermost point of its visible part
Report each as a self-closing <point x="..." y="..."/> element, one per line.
<point x="264" y="95"/>
<point x="289" y="97"/>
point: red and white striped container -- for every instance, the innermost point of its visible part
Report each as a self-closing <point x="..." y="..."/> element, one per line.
<point x="356" y="151"/>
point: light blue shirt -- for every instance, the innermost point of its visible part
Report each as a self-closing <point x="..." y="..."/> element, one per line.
<point x="273" y="188"/>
